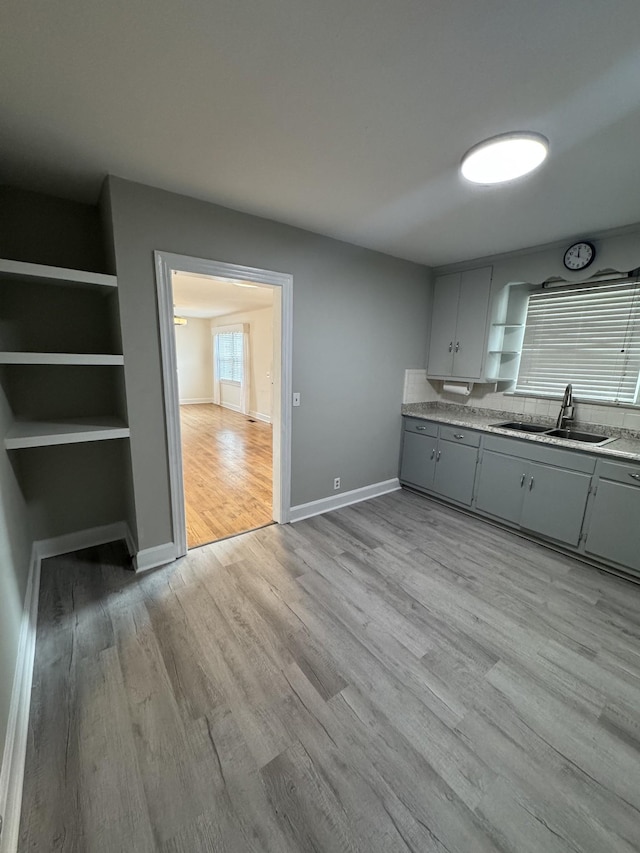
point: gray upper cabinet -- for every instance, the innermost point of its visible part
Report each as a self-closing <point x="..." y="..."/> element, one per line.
<point x="459" y="324"/>
<point x="613" y="534"/>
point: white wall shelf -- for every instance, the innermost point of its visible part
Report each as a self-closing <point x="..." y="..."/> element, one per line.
<point x="19" y="270"/>
<point x="60" y="358"/>
<point x="23" y="434"/>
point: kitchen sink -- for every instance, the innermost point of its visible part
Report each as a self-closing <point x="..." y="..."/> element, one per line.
<point x="520" y="426"/>
<point x="576" y="435"/>
<point x="571" y="434"/>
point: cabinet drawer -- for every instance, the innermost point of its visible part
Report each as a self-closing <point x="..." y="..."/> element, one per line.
<point x="421" y="427"/>
<point x="627" y="474"/>
<point x="460" y="435"/>
<point x="538" y="452"/>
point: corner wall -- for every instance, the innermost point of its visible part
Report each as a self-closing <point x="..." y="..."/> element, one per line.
<point x="360" y="318"/>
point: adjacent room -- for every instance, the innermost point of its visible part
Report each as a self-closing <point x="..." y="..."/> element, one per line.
<point x="224" y="337"/>
<point x="320" y="427"/>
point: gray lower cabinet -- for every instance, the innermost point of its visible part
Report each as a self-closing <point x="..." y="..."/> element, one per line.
<point x="455" y="471"/>
<point x="439" y="460"/>
<point x="418" y="459"/>
<point x="500" y="486"/>
<point x="613" y="534"/>
<point x="541" y="498"/>
<point x="555" y="501"/>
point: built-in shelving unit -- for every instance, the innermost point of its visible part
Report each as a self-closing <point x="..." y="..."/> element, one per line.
<point x="60" y="356"/>
<point x="85" y="358"/>
<point x="23" y="434"/>
<point x="505" y="346"/>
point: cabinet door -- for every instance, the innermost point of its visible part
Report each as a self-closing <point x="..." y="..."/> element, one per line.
<point x="501" y="486"/>
<point x="418" y="459"/>
<point x="455" y="471"/>
<point x="471" y="330"/>
<point x="443" y="325"/>
<point x="613" y="529"/>
<point x="554" y="502"/>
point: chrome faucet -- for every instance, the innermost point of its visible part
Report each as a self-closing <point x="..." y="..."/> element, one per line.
<point x="566" y="409"/>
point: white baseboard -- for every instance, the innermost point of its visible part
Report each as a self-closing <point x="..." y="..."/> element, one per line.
<point x="232" y="407"/>
<point x="83" y="539"/>
<point x="15" y="747"/>
<point x="302" y="511"/>
<point x="192" y="400"/>
<point x="260" y="417"/>
<point x="151" y="558"/>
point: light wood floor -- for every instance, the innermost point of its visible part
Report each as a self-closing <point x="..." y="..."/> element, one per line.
<point x="393" y="676"/>
<point x="228" y="472"/>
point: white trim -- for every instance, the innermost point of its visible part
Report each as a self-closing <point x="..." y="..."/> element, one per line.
<point x="231" y="406"/>
<point x="159" y="555"/>
<point x="166" y="263"/>
<point x="302" y="511"/>
<point x="15" y="746"/>
<point x="83" y="539"/>
<point x="258" y="416"/>
<point x="192" y="401"/>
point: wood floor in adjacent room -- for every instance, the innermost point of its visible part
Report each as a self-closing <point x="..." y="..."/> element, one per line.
<point x="228" y="472"/>
<point x="392" y="676"/>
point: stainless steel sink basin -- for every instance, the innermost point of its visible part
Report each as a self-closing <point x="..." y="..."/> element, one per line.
<point x="576" y="435"/>
<point x="520" y="426"/>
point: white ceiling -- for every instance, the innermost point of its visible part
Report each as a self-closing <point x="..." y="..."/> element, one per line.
<point x="347" y="117"/>
<point x="207" y="296"/>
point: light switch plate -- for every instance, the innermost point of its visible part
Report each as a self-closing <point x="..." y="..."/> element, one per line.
<point x="296" y="398"/>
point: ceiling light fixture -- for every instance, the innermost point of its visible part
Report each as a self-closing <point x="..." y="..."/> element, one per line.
<point x="504" y="157"/>
<point x="179" y="321"/>
<point x="242" y="284"/>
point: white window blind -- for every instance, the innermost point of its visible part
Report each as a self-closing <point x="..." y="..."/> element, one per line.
<point x="229" y="353"/>
<point x="587" y="335"/>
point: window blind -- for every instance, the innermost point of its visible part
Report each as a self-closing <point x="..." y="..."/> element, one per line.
<point x="589" y="336"/>
<point x="229" y="354"/>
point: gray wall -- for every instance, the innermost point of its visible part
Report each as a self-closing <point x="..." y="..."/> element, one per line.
<point x="360" y="319"/>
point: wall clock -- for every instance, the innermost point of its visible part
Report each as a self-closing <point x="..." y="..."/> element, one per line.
<point x="579" y="256"/>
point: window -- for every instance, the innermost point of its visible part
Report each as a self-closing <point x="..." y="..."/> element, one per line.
<point x="229" y="355"/>
<point x="586" y="335"/>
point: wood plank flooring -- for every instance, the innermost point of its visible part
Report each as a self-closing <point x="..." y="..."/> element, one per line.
<point x="228" y="472"/>
<point x="392" y="676"/>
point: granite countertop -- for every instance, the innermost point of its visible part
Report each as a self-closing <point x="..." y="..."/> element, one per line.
<point x="626" y="444"/>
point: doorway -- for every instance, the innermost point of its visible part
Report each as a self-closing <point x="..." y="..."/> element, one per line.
<point x="227" y="383"/>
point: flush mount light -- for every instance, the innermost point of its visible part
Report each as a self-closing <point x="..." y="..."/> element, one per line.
<point x="243" y="284"/>
<point x="179" y="321"/>
<point x="504" y="157"/>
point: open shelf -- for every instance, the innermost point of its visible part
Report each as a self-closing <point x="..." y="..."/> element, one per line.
<point x="23" y="434"/>
<point x="60" y="358"/>
<point x="509" y="325"/>
<point x="18" y="270"/>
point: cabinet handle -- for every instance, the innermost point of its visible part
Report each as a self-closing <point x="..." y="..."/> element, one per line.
<point x="457" y="345"/>
<point x="450" y="346"/>
<point x="420" y="429"/>
<point x="458" y="435"/>
<point x="438" y="456"/>
<point x="522" y="479"/>
<point x="635" y="476"/>
<point x="433" y="452"/>
<point x="530" y="484"/>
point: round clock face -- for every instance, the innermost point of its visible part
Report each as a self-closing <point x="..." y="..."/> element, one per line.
<point x="579" y="256"/>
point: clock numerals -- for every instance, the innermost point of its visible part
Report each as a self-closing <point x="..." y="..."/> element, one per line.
<point x="579" y="256"/>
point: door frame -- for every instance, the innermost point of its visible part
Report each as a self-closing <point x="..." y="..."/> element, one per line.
<point x="165" y="264"/>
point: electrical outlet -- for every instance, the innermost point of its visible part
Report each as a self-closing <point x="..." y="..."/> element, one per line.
<point x="296" y="398"/>
<point x="336" y="483"/>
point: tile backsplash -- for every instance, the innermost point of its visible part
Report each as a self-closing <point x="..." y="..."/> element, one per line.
<point x="419" y="389"/>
